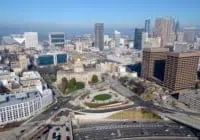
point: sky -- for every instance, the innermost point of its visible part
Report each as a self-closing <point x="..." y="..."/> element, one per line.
<point x="84" y="13"/>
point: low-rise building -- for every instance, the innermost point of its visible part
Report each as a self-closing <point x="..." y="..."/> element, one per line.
<point x="29" y="81"/>
<point x="21" y="106"/>
<point x="51" y="58"/>
<point x="191" y="98"/>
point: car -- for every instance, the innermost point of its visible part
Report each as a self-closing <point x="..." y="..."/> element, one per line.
<point x="57" y="129"/>
<point x="67" y="129"/>
<point x="22" y="131"/>
<point x="54" y="135"/>
<point x="68" y="138"/>
<point x="55" y="108"/>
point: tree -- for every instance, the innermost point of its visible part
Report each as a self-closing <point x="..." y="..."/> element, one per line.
<point x="148" y="96"/>
<point x="64" y="85"/>
<point x="80" y="85"/>
<point x="95" y="78"/>
<point x="72" y="84"/>
<point x="173" y="103"/>
<point x="53" y="78"/>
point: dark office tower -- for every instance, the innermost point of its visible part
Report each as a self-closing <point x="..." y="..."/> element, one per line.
<point x="147" y="26"/>
<point x="99" y="36"/>
<point x="177" y="27"/>
<point x="138" y="38"/>
<point x="175" y="71"/>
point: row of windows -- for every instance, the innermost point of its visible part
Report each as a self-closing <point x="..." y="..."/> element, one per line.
<point x="15" y="112"/>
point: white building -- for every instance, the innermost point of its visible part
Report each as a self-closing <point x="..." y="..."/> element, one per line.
<point x="31" y="39"/>
<point x="79" y="47"/>
<point x="180" y="47"/>
<point x="21" y="106"/>
<point x="150" y="42"/>
<point x="180" y="36"/>
<point x="30" y="80"/>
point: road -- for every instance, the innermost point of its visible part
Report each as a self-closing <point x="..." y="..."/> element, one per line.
<point x="132" y="129"/>
<point x="116" y="85"/>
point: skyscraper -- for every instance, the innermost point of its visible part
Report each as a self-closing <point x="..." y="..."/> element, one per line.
<point x="164" y="29"/>
<point x="177" y="30"/>
<point x="99" y="36"/>
<point x="31" y="39"/>
<point x="117" y="39"/>
<point x="189" y="34"/>
<point x="147" y="26"/>
<point x="177" y="27"/>
<point x="138" y="38"/>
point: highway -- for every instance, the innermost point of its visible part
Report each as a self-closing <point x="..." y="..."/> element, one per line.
<point x="131" y="129"/>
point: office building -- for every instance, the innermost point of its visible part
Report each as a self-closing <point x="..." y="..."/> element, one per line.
<point x="180" y="47"/>
<point x="150" y="42"/>
<point x="164" y="29"/>
<point x="147" y="26"/>
<point x="117" y="39"/>
<point x="56" y="39"/>
<point x="24" y="62"/>
<point x="180" y="36"/>
<point x="99" y="36"/>
<point x="50" y="58"/>
<point x="175" y="71"/>
<point x="177" y="29"/>
<point x="189" y="34"/>
<point x="138" y="38"/>
<point x="31" y="39"/>
<point x="21" y="106"/>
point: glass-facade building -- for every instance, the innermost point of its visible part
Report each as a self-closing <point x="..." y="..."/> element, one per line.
<point x="57" y="39"/>
<point x="61" y="58"/>
<point x="138" y="38"/>
<point x="50" y="59"/>
<point x="45" y="60"/>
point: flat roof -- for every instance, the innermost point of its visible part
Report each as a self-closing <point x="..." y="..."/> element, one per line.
<point x="156" y="50"/>
<point x="12" y="99"/>
<point x="184" y="54"/>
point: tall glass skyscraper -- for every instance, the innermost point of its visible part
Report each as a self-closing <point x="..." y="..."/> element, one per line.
<point x="147" y="26"/>
<point x="177" y="27"/>
<point x="138" y="38"/>
<point x="99" y="36"/>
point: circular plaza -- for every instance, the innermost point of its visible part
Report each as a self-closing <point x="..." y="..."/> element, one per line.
<point x="101" y="99"/>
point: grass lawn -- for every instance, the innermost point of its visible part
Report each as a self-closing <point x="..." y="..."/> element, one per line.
<point x="102" y="97"/>
<point x="134" y="114"/>
<point x="96" y="105"/>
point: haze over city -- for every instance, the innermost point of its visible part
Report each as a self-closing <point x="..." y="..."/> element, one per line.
<point x="80" y="15"/>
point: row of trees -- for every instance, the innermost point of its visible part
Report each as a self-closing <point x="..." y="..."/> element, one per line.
<point x="72" y="85"/>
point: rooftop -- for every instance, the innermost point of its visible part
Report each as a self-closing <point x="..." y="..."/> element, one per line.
<point x="156" y="50"/>
<point x="12" y="99"/>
